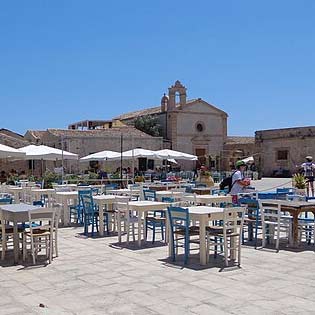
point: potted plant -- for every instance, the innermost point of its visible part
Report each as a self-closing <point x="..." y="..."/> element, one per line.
<point x="299" y="182"/>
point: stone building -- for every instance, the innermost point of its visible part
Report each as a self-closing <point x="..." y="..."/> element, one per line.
<point x="236" y="148"/>
<point x="282" y="149"/>
<point x="85" y="142"/>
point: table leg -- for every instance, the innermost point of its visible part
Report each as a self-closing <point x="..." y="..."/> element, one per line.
<point x="139" y="228"/>
<point x="16" y="242"/>
<point x="203" y="244"/>
<point x="119" y="225"/>
<point x="64" y="206"/>
<point x="295" y="216"/>
<point x="101" y="219"/>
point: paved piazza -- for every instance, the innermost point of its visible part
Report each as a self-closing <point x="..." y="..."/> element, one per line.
<point x="94" y="276"/>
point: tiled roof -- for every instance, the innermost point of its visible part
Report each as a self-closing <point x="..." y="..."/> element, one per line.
<point x="37" y="134"/>
<point x="13" y="141"/>
<point x="11" y="133"/>
<point x="147" y="111"/>
<point x="107" y="132"/>
<point x="142" y="112"/>
<point x="240" y="140"/>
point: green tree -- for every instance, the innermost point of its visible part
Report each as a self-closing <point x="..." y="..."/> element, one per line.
<point x="149" y="125"/>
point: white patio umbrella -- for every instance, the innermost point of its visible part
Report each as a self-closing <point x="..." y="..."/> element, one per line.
<point x="100" y="156"/>
<point x="249" y="159"/>
<point x="43" y="152"/>
<point x="137" y="153"/>
<point x="172" y="154"/>
<point x="9" y="152"/>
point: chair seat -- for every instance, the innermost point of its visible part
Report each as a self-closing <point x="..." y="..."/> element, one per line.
<point x="218" y="231"/>
<point x="9" y="229"/>
<point x="250" y="219"/>
<point x="193" y="230"/>
<point x="39" y="232"/>
<point x="156" y="219"/>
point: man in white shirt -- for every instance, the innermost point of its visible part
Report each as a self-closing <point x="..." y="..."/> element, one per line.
<point x="308" y="169"/>
<point x="239" y="183"/>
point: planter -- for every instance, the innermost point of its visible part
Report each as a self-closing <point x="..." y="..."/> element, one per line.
<point x="301" y="191"/>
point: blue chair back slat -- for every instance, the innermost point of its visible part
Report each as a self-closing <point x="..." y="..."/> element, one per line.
<point x="6" y="200"/>
<point x="149" y="194"/>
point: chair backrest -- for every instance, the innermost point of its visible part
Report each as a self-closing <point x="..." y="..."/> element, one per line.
<point x="149" y="194"/>
<point x="233" y="219"/>
<point x="294" y="197"/>
<point x="86" y="201"/>
<point x="43" y="217"/>
<point x="201" y="185"/>
<point x="188" y="189"/>
<point x="5" y="200"/>
<point x="251" y="205"/>
<point x="285" y="190"/>
<point x="178" y="218"/>
<point x="270" y="212"/>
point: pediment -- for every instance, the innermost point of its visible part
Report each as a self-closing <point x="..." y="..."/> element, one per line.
<point x="200" y="105"/>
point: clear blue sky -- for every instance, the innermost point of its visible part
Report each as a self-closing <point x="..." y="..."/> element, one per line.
<point x="67" y="60"/>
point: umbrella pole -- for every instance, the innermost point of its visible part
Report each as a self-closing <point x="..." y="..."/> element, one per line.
<point x="62" y="173"/>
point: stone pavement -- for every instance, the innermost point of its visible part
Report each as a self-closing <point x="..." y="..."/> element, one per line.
<point x="95" y="276"/>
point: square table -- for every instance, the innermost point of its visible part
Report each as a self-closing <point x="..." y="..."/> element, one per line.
<point x="142" y="207"/>
<point x="202" y="214"/>
<point x="295" y="208"/>
<point x="105" y="200"/>
<point x="66" y="197"/>
<point x="207" y="199"/>
<point x="16" y="213"/>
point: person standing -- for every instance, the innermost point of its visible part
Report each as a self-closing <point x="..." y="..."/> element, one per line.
<point x="308" y="169"/>
<point x="239" y="182"/>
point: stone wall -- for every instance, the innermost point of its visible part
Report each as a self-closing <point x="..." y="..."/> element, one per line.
<point x="284" y="149"/>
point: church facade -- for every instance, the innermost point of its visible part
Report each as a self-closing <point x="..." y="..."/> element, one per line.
<point x="193" y="126"/>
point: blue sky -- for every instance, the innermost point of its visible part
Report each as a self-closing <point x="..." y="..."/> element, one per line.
<point x="64" y="61"/>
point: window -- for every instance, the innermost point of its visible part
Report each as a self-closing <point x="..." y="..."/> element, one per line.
<point x="199" y="127"/>
<point x="282" y="155"/>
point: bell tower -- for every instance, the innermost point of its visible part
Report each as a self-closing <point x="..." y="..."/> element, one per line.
<point x="181" y="90"/>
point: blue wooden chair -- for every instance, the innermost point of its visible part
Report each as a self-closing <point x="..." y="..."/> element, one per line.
<point x="76" y="211"/>
<point x="90" y="213"/>
<point x="181" y="231"/>
<point x="155" y="219"/>
<point x="252" y="218"/>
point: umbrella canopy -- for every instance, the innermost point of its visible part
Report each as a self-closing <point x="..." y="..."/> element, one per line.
<point x="100" y="156"/>
<point x="8" y="152"/>
<point x="171" y="154"/>
<point x="43" y="152"/>
<point x="249" y="159"/>
<point x="137" y="153"/>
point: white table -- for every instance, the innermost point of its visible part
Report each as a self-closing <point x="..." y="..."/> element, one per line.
<point x="105" y="200"/>
<point x="203" y="215"/>
<point x="125" y="191"/>
<point x="17" y="193"/>
<point x="37" y="194"/>
<point x="66" y="197"/>
<point x="142" y="207"/>
<point x="207" y="199"/>
<point x="16" y="213"/>
<point x="168" y="193"/>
